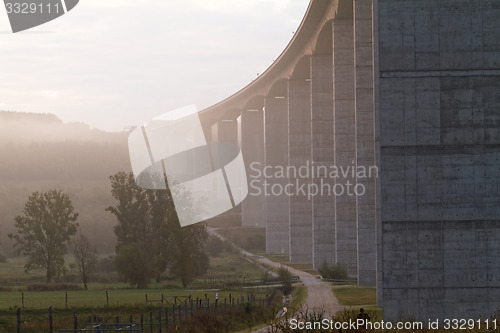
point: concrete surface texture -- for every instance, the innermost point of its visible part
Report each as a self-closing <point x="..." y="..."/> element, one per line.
<point x="439" y="158"/>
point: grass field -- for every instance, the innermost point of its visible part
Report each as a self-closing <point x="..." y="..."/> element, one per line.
<point x="251" y="239"/>
<point x="284" y="259"/>
<point x="228" y="271"/>
<point x="356" y="295"/>
<point x="119" y="297"/>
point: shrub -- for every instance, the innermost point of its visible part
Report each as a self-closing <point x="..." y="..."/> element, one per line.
<point x="3" y="258"/>
<point x="285" y="277"/>
<point x="336" y="271"/>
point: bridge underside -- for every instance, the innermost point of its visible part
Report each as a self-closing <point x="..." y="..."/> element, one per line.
<point x="407" y="95"/>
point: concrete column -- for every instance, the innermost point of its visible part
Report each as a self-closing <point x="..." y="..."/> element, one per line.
<point x="253" y="208"/>
<point x="365" y="141"/>
<point x="276" y="143"/>
<point x="226" y="130"/>
<point x="323" y="156"/>
<point x="376" y="83"/>
<point x="345" y="142"/>
<point x="299" y="134"/>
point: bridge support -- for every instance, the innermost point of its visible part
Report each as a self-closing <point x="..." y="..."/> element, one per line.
<point x="253" y="208"/>
<point x="276" y="142"/>
<point x="345" y="142"/>
<point x="365" y="141"/>
<point x="323" y="156"/>
<point x="299" y="136"/>
<point x="226" y="130"/>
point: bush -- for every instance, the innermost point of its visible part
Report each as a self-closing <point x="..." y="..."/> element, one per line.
<point x="285" y="277"/>
<point x="336" y="271"/>
<point x="3" y="258"/>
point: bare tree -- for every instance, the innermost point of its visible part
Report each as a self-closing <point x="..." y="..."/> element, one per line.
<point x="85" y="255"/>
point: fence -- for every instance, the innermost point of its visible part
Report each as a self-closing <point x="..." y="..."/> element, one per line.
<point x="167" y="316"/>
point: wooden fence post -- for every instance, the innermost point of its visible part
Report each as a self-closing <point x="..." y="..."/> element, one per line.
<point x="75" y="321"/>
<point x="22" y="297"/>
<point x="151" y="322"/>
<point x="51" y="328"/>
<point x="18" y="315"/>
<point x="166" y="319"/>
<point x="159" y="318"/>
<point x="107" y="298"/>
<point x="173" y="314"/>
<point x="66" y="299"/>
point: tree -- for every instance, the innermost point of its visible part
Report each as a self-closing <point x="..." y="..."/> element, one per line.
<point x="189" y="259"/>
<point x="44" y="230"/>
<point x="285" y="277"/>
<point x="85" y="255"/>
<point x="137" y="248"/>
<point x="149" y="236"/>
<point x="135" y="264"/>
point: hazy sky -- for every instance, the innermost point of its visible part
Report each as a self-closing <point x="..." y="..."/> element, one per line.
<point x="113" y="63"/>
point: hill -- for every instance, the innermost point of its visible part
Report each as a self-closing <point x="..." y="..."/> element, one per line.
<point x="40" y="152"/>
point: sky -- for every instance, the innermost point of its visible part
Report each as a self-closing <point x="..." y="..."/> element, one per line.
<point x="117" y="63"/>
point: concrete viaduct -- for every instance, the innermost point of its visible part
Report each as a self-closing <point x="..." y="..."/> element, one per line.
<point x="412" y="88"/>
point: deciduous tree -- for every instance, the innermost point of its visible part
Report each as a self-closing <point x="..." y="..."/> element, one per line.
<point x="149" y="236"/>
<point x="43" y="231"/>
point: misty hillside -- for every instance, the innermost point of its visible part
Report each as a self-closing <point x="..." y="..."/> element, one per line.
<point x="39" y="152"/>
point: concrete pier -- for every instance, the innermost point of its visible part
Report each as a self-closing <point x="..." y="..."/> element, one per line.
<point x="276" y="141"/>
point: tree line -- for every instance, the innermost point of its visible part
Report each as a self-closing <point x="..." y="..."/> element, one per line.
<point x="150" y="239"/>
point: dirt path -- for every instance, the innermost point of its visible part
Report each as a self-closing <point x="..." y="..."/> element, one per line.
<point x="319" y="293"/>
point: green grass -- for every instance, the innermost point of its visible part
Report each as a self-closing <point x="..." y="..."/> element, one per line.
<point x="121" y="297"/>
<point x="233" y="264"/>
<point x="282" y="258"/>
<point x="299" y="296"/>
<point x="227" y="267"/>
<point x="252" y="239"/>
<point x="356" y="295"/>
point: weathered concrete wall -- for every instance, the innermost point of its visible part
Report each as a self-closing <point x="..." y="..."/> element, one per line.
<point x="323" y="155"/>
<point x="276" y="141"/>
<point x="253" y="208"/>
<point x="299" y="136"/>
<point x="365" y="140"/>
<point x="440" y="158"/>
<point x="345" y="140"/>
